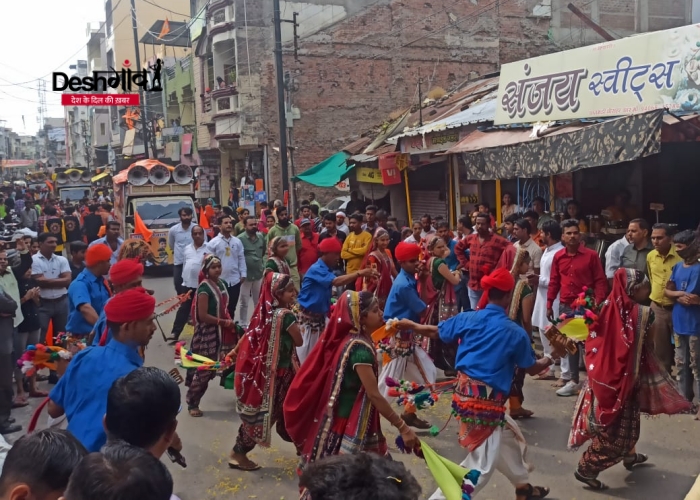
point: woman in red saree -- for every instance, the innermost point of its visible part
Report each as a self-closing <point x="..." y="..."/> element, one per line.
<point x="379" y="259"/>
<point x="624" y="379"/>
<point x="437" y="290"/>
<point x="265" y="366"/>
<point x="333" y="405"/>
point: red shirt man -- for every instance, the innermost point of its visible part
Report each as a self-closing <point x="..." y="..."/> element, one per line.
<point x="573" y="268"/>
<point x="309" y="247"/>
<point x="485" y="250"/>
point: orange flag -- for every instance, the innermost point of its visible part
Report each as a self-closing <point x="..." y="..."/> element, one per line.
<point x="140" y="228"/>
<point x="101" y="233"/>
<point x="165" y="30"/>
<point x="49" y="334"/>
<point x="203" y="219"/>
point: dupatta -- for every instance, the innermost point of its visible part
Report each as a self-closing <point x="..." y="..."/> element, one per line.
<point x="520" y="284"/>
<point x="442" y="301"/>
<point x="258" y="357"/>
<point x="621" y="366"/>
<point x="310" y="405"/>
<point x="382" y="286"/>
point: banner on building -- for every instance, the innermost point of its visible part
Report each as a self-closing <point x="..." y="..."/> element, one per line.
<point x="366" y="174"/>
<point x="623" y="77"/>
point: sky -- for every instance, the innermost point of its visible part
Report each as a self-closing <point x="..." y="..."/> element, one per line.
<point x="52" y="36"/>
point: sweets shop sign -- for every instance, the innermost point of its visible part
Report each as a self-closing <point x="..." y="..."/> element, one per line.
<point x="633" y="75"/>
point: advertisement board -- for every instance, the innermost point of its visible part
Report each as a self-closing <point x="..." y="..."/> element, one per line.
<point x="622" y="77"/>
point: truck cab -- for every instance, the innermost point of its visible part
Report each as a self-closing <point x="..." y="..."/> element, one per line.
<point x="157" y="205"/>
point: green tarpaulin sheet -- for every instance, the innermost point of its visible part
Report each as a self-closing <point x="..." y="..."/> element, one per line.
<point x="328" y="173"/>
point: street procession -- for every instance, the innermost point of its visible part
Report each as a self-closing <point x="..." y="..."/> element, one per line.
<point x="351" y="250"/>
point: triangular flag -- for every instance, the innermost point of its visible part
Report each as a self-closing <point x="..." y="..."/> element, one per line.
<point x="165" y="30"/>
<point x="49" y="334"/>
<point x="203" y="219"/>
<point x="140" y="228"/>
<point x="102" y="232"/>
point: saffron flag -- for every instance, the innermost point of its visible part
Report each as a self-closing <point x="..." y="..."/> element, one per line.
<point x="165" y="30"/>
<point x="48" y="340"/>
<point x="203" y="219"/>
<point x="140" y="228"/>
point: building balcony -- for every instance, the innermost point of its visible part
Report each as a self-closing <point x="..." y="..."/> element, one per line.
<point x="226" y="114"/>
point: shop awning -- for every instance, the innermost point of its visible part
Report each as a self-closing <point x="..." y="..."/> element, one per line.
<point x="507" y="154"/>
<point x="328" y="173"/>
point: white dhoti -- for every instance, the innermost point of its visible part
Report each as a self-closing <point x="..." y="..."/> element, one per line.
<point x="504" y="451"/>
<point x="418" y="367"/>
<point x="311" y="327"/>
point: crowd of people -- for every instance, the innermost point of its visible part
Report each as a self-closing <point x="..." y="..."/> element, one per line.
<point x="343" y="305"/>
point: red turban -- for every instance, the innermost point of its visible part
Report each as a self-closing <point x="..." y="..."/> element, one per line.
<point x="131" y="305"/>
<point x="96" y="254"/>
<point x="330" y="245"/>
<point x="125" y="271"/>
<point x="500" y="279"/>
<point x="406" y="251"/>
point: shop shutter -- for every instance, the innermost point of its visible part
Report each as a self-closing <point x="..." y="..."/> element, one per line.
<point x="427" y="202"/>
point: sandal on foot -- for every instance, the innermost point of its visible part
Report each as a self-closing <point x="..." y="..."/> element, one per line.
<point x="636" y="459"/>
<point x="235" y="465"/>
<point x="531" y="492"/>
<point x="520" y="413"/>
<point x="195" y="412"/>
<point x="591" y="482"/>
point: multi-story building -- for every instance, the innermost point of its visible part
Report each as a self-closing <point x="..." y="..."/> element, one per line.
<point x="120" y="52"/>
<point x="98" y="116"/>
<point x="27" y="147"/>
<point x="358" y="61"/>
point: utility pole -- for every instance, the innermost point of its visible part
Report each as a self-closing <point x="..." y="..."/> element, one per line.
<point x="289" y="87"/>
<point x="420" y="98"/>
<point x="144" y="132"/>
<point x="87" y="139"/>
<point x="280" y="96"/>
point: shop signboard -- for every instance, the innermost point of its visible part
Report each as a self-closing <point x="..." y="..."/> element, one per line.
<point x="622" y="77"/>
<point x="366" y="174"/>
<point x="432" y="142"/>
<point x="343" y="186"/>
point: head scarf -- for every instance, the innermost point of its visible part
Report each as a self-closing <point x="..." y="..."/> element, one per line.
<point x="125" y="271"/>
<point x="207" y="262"/>
<point x="306" y="407"/>
<point x="620" y="364"/>
<point x="133" y="248"/>
<point x="134" y="304"/>
<point x="330" y="245"/>
<point x="406" y="251"/>
<point x="274" y="244"/>
<point x="258" y="356"/>
<point x="500" y="279"/>
<point x="96" y="254"/>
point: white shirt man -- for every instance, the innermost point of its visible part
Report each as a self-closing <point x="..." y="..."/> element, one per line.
<point x="539" y="313"/>
<point x="613" y="257"/>
<point x="229" y="250"/>
<point x="192" y="264"/>
<point x="178" y="239"/>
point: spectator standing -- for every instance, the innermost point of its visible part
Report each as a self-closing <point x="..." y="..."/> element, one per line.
<point x="254" y="250"/>
<point x="340" y="222"/>
<point x="229" y="250"/>
<point x="112" y="240"/>
<point x="660" y="264"/>
<point x="291" y="234"/>
<point x="71" y="221"/>
<point x="574" y="268"/>
<point x="179" y="236"/>
<point x="634" y="256"/>
<point x="92" y="223"/>
<point x="613" y="257"/>
<point x="55" y="226"/>
<point x="191" y="266"/>
<point x="313" y="200"/>
<point x="394" y="236"/>
<point x="77" y="258"/>
<point x="29" y="217"/>
<point x="355" y="246"/>
<point x="309" y="247"/>
<point x="371" y="217"/>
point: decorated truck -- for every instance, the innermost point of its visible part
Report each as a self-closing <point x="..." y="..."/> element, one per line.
<point x="72" y="184"/>
<point x="156" y="192"/>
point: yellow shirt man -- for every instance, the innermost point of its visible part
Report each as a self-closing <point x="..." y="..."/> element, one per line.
<point x="659" y="271"/>
<point x="354" y="250"/>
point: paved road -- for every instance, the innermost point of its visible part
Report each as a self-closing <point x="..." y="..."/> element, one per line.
<point x="671" y="442"/>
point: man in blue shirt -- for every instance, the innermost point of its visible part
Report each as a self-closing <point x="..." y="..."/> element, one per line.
<point x="491" y="346"/>
<point x="88" y="293"/>
<point x="409" y="361"/>
<point x="81" y="394"/>
<point x="111" y="239"/>
<point x="317" y="290"/>
<point x="684" y="288"/>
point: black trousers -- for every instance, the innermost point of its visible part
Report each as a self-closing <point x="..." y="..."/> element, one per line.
<point x="183" y="313"/>
<point x="6" y="371"/>
<point x="233" y="293"/>
<point x="177" y="279"/>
